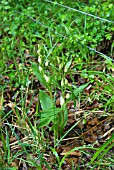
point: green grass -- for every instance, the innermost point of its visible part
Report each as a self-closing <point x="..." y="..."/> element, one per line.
<point x="47" y="53"/>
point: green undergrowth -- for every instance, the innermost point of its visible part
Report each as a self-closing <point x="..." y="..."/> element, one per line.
<point x="48" y="49"/>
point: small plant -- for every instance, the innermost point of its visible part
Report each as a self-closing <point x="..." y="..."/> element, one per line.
<point x="57" y="83"/>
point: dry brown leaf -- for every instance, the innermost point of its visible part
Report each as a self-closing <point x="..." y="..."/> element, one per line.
<point x="93" y="121"/>
<point x="72" y="160"/>
<point x="74" y="153"/>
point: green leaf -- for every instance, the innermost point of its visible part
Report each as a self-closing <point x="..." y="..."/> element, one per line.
<point x="102" y="148"/>
<point x="45" y="100"/>
<point x="8" y="146"/>
<point x="45" y="121"/>
<point x="65" y="116"/>
<point x="39" y="75"/>
<point x="80" y="89"/>
<point x="56" y="154"/>
<point x="50" y="112"/>
<point x="48" y="116"/>
<point x="106" y="151"/>
<point x="68" y="65"/>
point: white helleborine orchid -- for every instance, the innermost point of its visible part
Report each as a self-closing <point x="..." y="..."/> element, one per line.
<point x="60" y="66"/>
<point x="65" y="69"/>
<point x="58" y="60"/>
<point x="46" y="78"/>
<point x="46" y="63"/>
<point x="67" y="96"/>
<point x="66" y="81"/>
<point x="40" y="68"/>
<point x="62" y="82"/>
<point x="39" y="59"/>
<point x="39" y="49"/>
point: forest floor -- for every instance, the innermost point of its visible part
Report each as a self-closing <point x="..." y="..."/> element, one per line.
<point x="57" y="88"/>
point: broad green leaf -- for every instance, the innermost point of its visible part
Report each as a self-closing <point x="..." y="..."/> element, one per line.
<point x="48" y="115"/>
<point x="50" y="112"/>
<point x="45" y="100"/>
<point x="39" y="75"/>
<point x="45" y="121"/>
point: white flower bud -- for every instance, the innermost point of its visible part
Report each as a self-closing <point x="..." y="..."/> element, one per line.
<point x="20" y="66"/>
<point x="65" y="69"/>
<point x="66" y="81"/>
<point x="46" y="63"/>
<point x="46" y="78"/>
<point x="38" y="51"/>
<point x="60" y="66"/>
<point x="62" y="82"/>
<point x="39" y="59"/>
<point x="61" y="101"/>
<point x="67" y="96"/>
<point x="40" y="68"/>
<point x="58" y="59"/>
